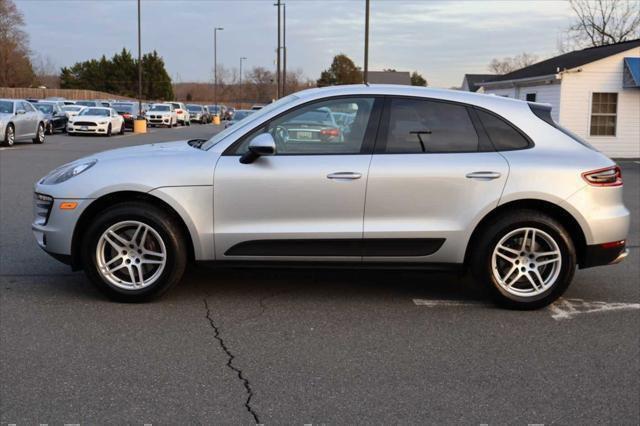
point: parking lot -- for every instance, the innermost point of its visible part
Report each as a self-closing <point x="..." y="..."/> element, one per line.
<point x="302" y="346"/>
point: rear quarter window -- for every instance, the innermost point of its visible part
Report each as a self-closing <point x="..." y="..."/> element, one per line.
<point x="502" y="134"/>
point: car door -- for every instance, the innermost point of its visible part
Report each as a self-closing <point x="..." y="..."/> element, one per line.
<point x="432" y="176"/>
<point x="306" y="202"/>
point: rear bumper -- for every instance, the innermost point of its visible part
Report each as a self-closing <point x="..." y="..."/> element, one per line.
<point x="597" y="255"/>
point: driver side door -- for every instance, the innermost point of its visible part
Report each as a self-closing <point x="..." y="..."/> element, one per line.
<point x="306" y="202"/>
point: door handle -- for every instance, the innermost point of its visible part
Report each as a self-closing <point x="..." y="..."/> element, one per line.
<point x="344" y="175"/>
<point x="483" y="175"/>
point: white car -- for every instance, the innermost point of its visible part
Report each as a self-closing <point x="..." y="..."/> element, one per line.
<point x="162" y="115"/>
<point x="182" y="112"/>
<point x="97" y="121"/>
<point x="72" y="110"/>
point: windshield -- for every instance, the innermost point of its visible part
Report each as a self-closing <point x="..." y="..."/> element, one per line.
<point x="124" y="108"/>
<point x="6" y="107"/>
<point x="251" y="118"/>
<point x="160" y="108"/>
<point x="194" y="108"/>
<point x="46" y="108"/>
<point x="96" y="111"/>
<point x="86" y="103"/>
<point x="71" y="108"/>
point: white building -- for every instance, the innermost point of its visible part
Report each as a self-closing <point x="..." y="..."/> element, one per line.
<point x="594" y="92"/>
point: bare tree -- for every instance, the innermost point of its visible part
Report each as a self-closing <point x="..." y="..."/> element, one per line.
<point x="601" y="22"/>
<point x="46" y="71"/>
<point x="509" y="64"/>
<point x="15" y="66"/>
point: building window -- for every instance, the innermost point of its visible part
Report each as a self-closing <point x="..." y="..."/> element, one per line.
<point x="604" y="107"/>
<point x="531" y="97"/>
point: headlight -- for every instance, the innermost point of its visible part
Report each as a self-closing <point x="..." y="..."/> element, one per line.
<point x="102" y="122"/>
<point x="66" y="172"/>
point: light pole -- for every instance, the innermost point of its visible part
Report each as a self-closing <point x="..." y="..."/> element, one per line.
<point x="240" y="95"/>
<point x="284" y="49"/>
<point x="278" y="4"/>
<point x="365" y="75"/>
<point x="215" y="64"/>
<point x="139" y="64"/>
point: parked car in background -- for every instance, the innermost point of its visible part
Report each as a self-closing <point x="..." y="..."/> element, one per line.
<point x="72" y="110"/>
<point x="20" y="121"/>
<point x="128" y="111"/>
<point x="54" y="117"/>
<point x="162" y="115"/>
<point x="228" y="114"/>
<point x="182" y="113"/>
<point x="207" y="114"/>
<point x="97" y="121"/>
<point x="214" y="110"/>
<point x="90" y="103"/>
<point x="238" y="115"/>
<point x="422" y="178"/>
<point x="197" y="113"/>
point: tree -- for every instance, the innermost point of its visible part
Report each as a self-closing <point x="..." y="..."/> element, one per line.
<point x="341" y="71"/>
<point x="417" y="79"/>
<point x="119" y="75"/>
<point x="509" y="64"/>
<point x="601" y="22"/>
<point x="15" y="66"/>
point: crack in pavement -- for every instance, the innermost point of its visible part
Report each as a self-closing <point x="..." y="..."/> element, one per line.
<point x="230" y="365"/>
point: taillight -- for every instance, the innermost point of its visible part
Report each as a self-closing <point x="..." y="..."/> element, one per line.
<point x="609" y="176"/>
<point x="330" y="132"/>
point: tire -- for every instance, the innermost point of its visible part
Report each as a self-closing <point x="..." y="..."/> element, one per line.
<point x="9" y="136"/>
<point x="122" y="129"/>
<point x="39" y="139"/>
<point x="49" y="130"/>
<point x="109" y="130"/>
<point x="509" y="273"/>
<point x="163" y="234"/>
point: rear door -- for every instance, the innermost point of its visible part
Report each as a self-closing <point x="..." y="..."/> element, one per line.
<point x="433" y="174"/>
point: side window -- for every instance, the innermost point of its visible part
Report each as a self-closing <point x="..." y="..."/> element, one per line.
<point x="501" y="133"/>
<point x="314" y="129"/>
<point x="421" y="126"/>
<point x="27" y="107"/>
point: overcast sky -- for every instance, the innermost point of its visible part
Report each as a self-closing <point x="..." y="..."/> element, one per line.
<point x="442" y="40"/>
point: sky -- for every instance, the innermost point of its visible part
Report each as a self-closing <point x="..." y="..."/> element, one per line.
<point x="442" y="40"/>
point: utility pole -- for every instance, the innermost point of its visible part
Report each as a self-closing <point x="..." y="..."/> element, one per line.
<point x="215" y="64"/>
<point x="139" y="64"/>
<point x="284" y="50"/>
<point x="278" y="4"/>
<point x="365" y="75"/>
<point x="241" y="91"/>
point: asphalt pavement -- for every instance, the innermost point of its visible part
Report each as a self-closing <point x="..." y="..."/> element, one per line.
<point x="273" y="346"/>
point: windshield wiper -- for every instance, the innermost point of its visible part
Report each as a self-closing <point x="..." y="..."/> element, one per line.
<point x="196" y="143"/>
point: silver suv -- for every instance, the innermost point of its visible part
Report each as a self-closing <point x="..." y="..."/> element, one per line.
<point x="413" y="177"/>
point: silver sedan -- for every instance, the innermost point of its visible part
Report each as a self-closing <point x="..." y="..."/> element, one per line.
<point x="20" y="121"/>
<point x="416" y="178"/>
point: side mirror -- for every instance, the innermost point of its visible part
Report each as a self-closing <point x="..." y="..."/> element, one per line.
<point x="20" y="112"/>
<point x="261" y="145"/>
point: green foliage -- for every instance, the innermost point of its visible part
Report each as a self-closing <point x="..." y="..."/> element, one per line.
<point x="119" y="75"/>
<point x="417" y="79"/>
<point x="341" y="71"/>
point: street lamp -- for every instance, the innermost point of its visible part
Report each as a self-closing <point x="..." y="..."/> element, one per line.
<point x="240" y="94"/>
<point x="139" y="65"/>
<point x="365" y="74"/>
<point x="215" y="64"/>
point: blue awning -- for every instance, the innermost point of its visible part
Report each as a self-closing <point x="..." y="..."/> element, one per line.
<point x="631" y="74"/>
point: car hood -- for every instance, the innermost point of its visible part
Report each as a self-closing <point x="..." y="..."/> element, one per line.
<point x="140" y="168"/>
<point x="92" y="117"/>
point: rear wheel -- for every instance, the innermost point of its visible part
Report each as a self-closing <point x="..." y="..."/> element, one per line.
<point x="9" y="136"/>
<point x="526" y="259"/>
<point x="39" y="134"/>
<point x="109" y="130"/>
<point x="122" y="129"/>
<point x="134" y="252"/>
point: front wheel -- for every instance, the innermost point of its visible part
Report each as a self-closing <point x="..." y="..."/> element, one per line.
<point x="109" y="130"/>
<point x="39" y="134"/>
<point x="134" y="252"/>
<point x="9" y="136"/>
<point x="526" y="259"/>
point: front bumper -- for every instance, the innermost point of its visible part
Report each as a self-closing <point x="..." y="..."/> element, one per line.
<point x="100" y="129"/>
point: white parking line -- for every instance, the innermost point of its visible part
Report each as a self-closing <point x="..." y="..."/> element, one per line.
<point x="559" y="310"/>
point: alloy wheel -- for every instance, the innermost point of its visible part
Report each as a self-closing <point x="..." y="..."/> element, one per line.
<point x="131" y="255"/>
<point x="11" y="136"/>
<point x="526" y="262"/>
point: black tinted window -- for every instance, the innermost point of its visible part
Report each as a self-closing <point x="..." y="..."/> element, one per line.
<point x="417" y="126"/>
<point x="501" y="133"/>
